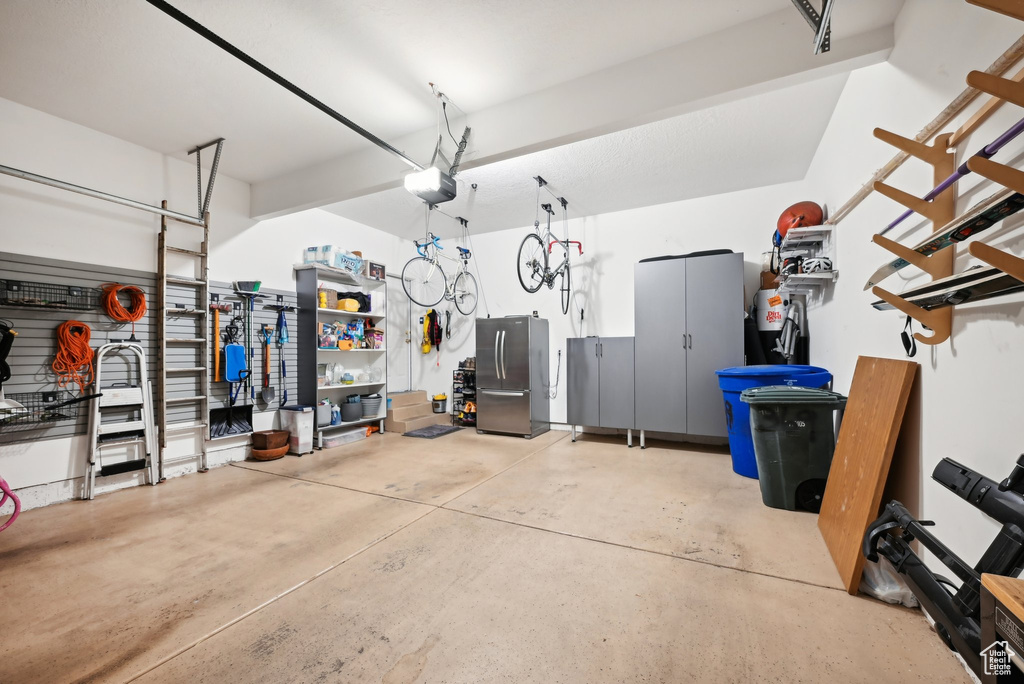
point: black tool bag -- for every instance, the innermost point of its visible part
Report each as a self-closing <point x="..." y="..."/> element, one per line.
<point x="362" y="298"/>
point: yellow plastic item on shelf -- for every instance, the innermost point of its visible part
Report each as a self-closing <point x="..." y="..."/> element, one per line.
<point x="348" y="305"/>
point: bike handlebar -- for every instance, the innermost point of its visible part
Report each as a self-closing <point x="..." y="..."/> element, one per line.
<point x="432" y="239"/>
<point x="579" y="245"/>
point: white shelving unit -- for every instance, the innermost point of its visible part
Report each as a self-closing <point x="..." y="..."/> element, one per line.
<point x="309" y="278"/>
<point x="815" y="241"/>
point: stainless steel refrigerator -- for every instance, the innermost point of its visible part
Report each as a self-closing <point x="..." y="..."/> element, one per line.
<point x="512" y="375"/>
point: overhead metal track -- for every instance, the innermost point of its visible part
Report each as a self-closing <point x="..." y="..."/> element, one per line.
<point x="822" y="24"/>
<point x="53" y="182"/>
<point x="209" y="35"/>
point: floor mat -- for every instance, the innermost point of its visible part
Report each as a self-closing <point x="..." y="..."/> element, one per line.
<point x="432" y="431"/>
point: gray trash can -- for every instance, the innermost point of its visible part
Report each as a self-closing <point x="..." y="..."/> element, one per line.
<point x="794" y="439"/>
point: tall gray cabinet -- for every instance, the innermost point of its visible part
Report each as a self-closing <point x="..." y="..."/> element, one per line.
<point x="600" y="382"/>
<point x="689" y="323"/>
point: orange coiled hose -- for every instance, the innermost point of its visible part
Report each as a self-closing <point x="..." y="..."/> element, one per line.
<point x="112" y="305"/>
<point x="73" y="362"/>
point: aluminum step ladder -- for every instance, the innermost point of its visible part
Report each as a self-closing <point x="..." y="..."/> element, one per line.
<point x="183" y="329"/>
<point x="138" y="431"/>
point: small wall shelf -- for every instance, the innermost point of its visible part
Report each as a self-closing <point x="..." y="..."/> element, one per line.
<point x="806" y="283"/>
<point x="351" y="314"/>
<point x="809" y="242"/>
<point x="354" y="385"/>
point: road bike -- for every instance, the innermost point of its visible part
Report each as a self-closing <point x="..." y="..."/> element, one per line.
<point x="533" y="263"/>
<point x="426" y="283"/>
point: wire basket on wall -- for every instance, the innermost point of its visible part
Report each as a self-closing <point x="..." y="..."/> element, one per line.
<point x="40" y="411"/>
<point x="48" y="295"/>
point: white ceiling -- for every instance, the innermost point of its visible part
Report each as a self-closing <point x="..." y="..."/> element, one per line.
<point x="124" y="68"/>
<point x="116" y="65"/>
<point x="712" y="151"/>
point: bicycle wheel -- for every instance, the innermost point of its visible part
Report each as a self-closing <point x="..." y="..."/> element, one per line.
<point x="566" y="288"/>
<point x="465" y="292"/>
<point x="424" y="282"/>
<point x="532" y="263"/>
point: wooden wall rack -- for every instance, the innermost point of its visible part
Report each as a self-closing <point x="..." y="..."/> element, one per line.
<point x="941" y="210"/>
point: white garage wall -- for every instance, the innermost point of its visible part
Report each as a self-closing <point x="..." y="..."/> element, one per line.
<point x="968" y="404"/>
<point x="269" y="250"/>
<point x="44" y="221"/>
<point x="603" y="277"/>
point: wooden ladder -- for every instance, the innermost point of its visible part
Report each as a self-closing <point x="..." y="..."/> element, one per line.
<point x="196" y="291"/>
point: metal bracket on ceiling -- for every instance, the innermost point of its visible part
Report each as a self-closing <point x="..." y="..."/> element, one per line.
<point x="203" y="201"/>
<point x="821" y="23"/>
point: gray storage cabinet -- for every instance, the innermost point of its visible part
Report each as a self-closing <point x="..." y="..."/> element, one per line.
<point x="689" y="323"/>
<point x="600" y="382"/>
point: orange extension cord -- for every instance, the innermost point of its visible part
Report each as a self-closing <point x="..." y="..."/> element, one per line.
<point x="73" y="362"/>
<point x="113" y="307"/>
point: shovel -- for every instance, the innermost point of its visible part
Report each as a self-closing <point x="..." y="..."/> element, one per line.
<point x="282" y="338"/>
<point x="267" y="394"/>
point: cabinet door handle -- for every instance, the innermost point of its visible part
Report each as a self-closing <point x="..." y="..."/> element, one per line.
<point x="691" y="339"/>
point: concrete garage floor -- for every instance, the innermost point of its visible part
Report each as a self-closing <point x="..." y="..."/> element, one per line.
<point x="468" y="558"/>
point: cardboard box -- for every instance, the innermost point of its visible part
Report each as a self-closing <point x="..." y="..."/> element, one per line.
<point x="768" y="280"/>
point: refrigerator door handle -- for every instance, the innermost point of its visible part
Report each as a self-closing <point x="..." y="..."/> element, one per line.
<point x="505" y="393"/>
<point x="497" y="334"/>
<point x="691" y="339"/>
<point x="504" y="375"/>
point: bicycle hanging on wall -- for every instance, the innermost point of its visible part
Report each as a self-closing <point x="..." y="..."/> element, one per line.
<point x="535" y="255"/>
<point x="426" y="283"/>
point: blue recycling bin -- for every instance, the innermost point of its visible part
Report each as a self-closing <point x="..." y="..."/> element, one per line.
<point x="734" y="380"/>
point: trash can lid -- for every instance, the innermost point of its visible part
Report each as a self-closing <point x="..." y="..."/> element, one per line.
<point x="784" y="394"/>
<point x="770" y="369"/>
<point x="297" y="407"/>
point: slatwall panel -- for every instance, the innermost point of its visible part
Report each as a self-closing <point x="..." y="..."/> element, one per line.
<point x="219" y="391"/>
<point x="36" y="344"/>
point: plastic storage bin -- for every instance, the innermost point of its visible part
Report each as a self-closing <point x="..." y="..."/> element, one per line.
<point x="351" y="412"/>
<point x="371" y="405"/>
<point x="298" y="420"/>
<point x="734" y="380"/>
<point x="794" y="439"/>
